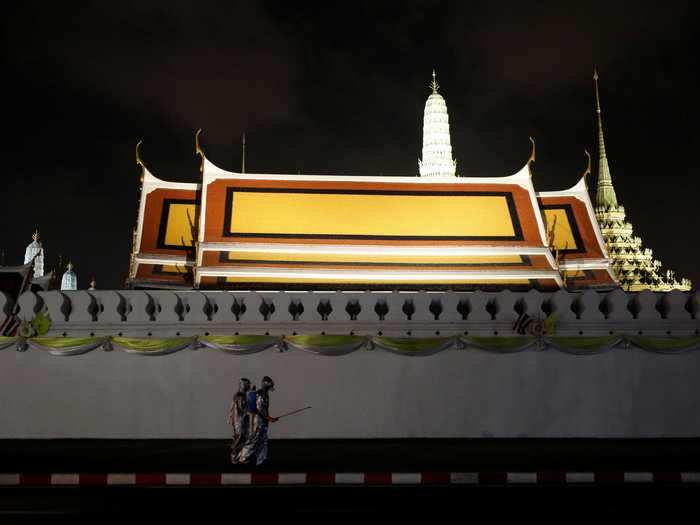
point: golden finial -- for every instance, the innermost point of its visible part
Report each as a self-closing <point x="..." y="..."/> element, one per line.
<point x="139" y="161"/>
<point x="587" y="171"/>
<point x="35" y="235"/>
<point x="197" y="146"/>
<point x="69" y="266"/>
<point x="198" y="150"/>
<point x="597" y="96"/>
<point x="434" y="85"/>
<point x="92" y="284"/>
<point x="531" y="160"/>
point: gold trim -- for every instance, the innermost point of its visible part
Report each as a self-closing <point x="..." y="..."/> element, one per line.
<point x="198" y="150"/>
<point x="531" y="159"/>
<point x="139" y="161"/>
<point x="587" y="171"/>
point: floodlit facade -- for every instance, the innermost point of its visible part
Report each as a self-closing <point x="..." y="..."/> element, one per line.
<point x="433" y="232"/>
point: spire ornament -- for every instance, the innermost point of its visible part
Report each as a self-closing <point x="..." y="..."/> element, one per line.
<point x="34" y="253"/>
<point x="139" y="161"/>
<point x="434" y="85"/>
<point x="587" y="171"/>
<point x="605" y="194"/>
<point x="69" y="281"/>
<point x="531" y="159"/>
<point x="198" y="150"/>
<point x="437" y="158"/>
<point x="633" y="265"/>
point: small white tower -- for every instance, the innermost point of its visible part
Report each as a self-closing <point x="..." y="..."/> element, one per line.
<point x="437" y="152"/>
<point x="69" y="281"/>
<point x="35" y="252"/>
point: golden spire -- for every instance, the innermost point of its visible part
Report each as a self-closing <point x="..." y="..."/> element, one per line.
<point x="601" y="142"/>
<point x="605" y="194"/>
<point x="434" y="85"/>
<point x="35" y="235"/>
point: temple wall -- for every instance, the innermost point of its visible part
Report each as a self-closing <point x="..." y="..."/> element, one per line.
<point x="418" y="314"/>
<point x="625" y="392"/>
<point x="366" y="394"/>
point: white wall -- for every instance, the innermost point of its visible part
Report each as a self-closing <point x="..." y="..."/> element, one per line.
<point x="366" y="394"/>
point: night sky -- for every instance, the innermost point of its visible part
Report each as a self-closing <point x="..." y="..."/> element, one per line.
<point x="337" y="89"/>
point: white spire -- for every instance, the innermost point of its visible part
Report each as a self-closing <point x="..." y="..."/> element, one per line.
<point x="69" y="280"/>
<point x="35" y="252"/>
<point x="437" y="152"/>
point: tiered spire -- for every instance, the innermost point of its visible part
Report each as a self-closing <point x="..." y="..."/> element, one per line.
<point x="437" y="158"/>
<point x="633" y="265"/>
<point x="605" y="196"/>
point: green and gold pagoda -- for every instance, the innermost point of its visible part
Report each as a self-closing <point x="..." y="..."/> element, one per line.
<point x="634" y="266"/>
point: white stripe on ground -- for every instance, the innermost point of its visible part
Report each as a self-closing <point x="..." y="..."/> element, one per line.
<point x="65" y="479"/>
<point x="400" y="478"/>
<point x="9" y="479"/>
<point x="235" y="479"/>
<point x="349" y="478"/>
<point x="639" y="477"/>
<point x="177" y="479"/>
<point x="690" y="477"/>
<point x="522" y="477"/>
<point x="291" y="478"/>
<point x="464" y="477"/>
<point x="580" y="477"/>
<point x="121" y="479"/>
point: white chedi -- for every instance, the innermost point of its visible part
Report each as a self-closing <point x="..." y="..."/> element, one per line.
<point x="69" y="281"/>
<point x="35" y="252"/>
<point x="437" y="158"/>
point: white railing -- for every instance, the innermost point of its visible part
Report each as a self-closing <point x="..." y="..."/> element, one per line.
<point x="174" y="313"/>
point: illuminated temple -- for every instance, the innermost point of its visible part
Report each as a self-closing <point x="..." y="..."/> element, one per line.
<point x="388" y="293"/>
<point x="436" y="231"/>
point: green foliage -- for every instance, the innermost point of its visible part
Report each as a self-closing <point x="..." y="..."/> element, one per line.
<point x="41" y="323"/>
<point x="550" y="324"/>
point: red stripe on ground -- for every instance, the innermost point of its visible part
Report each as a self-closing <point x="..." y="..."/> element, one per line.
<point x="264" y="478"/>
<point x="551" y="476"/>
<point x="205" y="478"/>
<point x="91" y="478"/>
<point x="609" y="477"/>
<point x="320" y="478"/>
<point x="493" y="477"/>
<point x="35" y="479"/>
<point x="378" y="478"/>
<point x="150" y="479"/>
<point x="667" y="477"/>
<point x="435" y="478"/>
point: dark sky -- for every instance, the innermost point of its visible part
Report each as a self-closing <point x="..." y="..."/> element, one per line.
<point x="337" y="88"/>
